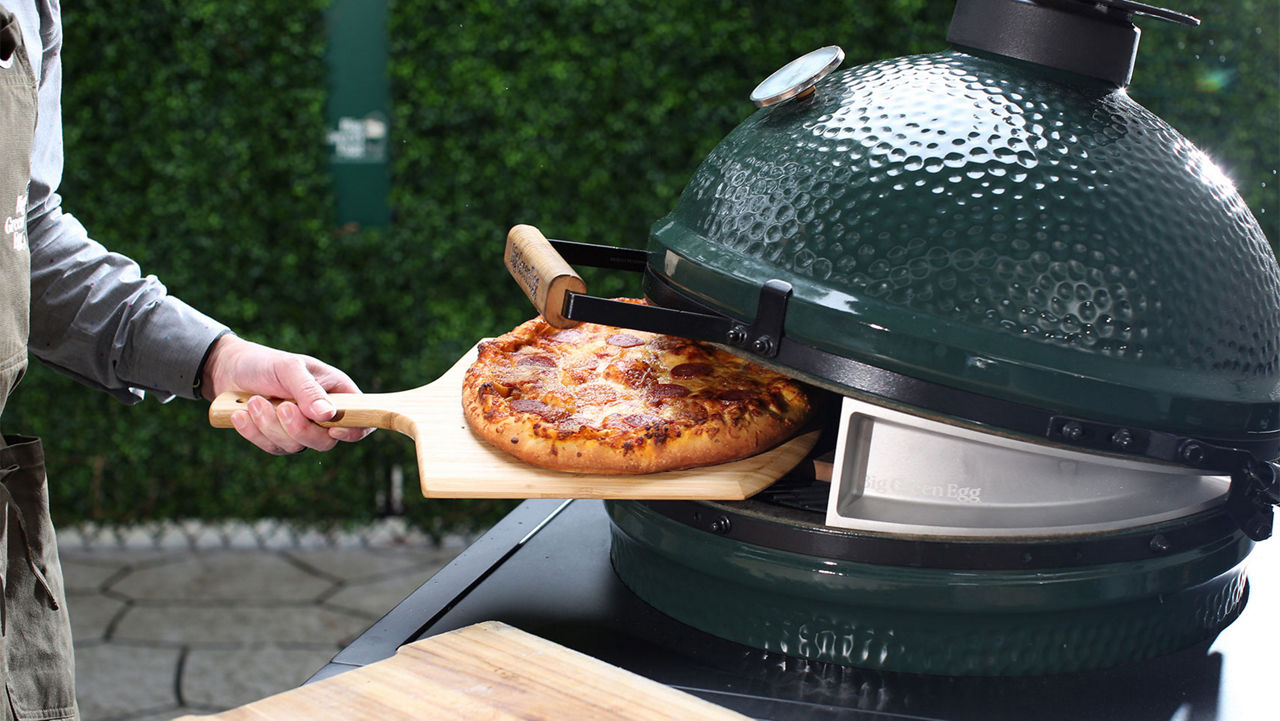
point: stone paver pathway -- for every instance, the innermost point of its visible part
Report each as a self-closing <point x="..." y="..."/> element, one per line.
<point x="166" y="631"/>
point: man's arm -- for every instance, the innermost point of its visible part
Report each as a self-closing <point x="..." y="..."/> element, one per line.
<point x="96" y="317"/>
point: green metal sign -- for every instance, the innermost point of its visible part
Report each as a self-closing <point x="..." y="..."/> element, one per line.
<point x="358" y="111"/>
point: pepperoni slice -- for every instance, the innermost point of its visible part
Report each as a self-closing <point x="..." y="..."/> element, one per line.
<point x="567" y="336"/>
<point x="537" y="360"/>
<point x="538" y="408"/>
<point x="666" y="342"/>
<point x="691" y="370"/>
<point x="529" y="405"/>
<point x="668" y="390"/>
<point x="624" y="340"/>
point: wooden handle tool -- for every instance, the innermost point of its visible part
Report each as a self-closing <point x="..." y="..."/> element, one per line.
<point x="392" y="411"/>
<point x="542" y="273"/>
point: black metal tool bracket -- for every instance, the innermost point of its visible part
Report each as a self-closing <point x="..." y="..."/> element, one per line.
<point x="1255" y="484"/>
<point x="601" y="256"/>
<point x="1255" y="489"/>
<point x="762" y="336"/>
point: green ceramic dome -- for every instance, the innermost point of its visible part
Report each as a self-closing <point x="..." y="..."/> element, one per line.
<point x="997" y="226"/>
<point x="1002" y="222"/>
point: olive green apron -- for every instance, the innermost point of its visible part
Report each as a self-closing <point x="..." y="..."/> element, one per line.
<point x="36" y="665"/>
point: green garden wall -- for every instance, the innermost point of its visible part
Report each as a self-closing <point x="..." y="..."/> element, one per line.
<point x="195" y="141"/>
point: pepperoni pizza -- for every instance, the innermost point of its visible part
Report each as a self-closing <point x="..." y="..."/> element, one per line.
<point x="597" y="399"/>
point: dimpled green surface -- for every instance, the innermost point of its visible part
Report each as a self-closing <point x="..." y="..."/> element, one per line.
<point x="992" y="226"/>
<point x="921" y="620"/>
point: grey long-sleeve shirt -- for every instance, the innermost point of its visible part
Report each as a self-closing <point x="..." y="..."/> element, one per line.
<point x="94" y="316"/>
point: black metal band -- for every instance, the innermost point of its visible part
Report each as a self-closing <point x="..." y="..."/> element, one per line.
<point x="783" y="529"/>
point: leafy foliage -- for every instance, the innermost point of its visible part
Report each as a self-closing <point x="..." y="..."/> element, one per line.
<point x="1219" y="85"/>
<point x="196" y="144"/>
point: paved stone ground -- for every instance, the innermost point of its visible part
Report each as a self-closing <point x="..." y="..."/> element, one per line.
<point x="187" y="618"/>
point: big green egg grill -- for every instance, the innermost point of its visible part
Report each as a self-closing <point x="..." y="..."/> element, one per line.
<point x="1053" y="328"/>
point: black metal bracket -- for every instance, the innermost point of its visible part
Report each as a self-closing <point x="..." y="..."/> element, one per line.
<point x="762" y="336"/>
<point x="1255" y="484"/>
<point x="1255" y="490"/>
<point x="651" y="318"/>
<point x="601" y="256"/>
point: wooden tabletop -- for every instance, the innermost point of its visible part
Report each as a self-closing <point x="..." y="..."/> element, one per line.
<point x="486" y="671"/>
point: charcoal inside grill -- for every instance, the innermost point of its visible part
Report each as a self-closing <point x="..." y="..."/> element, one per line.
<point x="798" y="493"/>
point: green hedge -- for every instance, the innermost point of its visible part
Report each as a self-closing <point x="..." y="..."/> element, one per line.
<point x="195" y="141"/>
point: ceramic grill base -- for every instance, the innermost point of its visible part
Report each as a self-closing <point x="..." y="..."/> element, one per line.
<point x="924" y="620"/>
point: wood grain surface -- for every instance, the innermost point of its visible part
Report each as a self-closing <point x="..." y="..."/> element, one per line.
<point x="453" y="462"/>
<point x="486" y="671"/>
<point x="544" y="276"/>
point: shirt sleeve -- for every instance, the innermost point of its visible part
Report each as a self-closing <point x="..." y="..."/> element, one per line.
<point x="94" y="315"/>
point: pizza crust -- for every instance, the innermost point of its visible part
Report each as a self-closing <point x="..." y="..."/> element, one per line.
<point x="597" y="399"/>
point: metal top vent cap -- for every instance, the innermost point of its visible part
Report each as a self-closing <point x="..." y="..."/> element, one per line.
<point x="1096" y="39"/>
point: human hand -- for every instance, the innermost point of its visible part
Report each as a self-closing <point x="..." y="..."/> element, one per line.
<point x="235" y="364"/>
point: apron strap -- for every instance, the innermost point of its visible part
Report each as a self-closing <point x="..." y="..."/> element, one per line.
<point x="6" y="501"/>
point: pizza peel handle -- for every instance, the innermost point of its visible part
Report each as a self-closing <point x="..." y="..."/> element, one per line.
<point x="542" y="273"/>
<point x="392" y="411"/>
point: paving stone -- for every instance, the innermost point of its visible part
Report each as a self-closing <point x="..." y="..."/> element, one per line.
<point x="272" y="534"/>
<point x="91" y="615"/>
<point x="86" y="535"/>
<point x="358" y="563"/>
<point x="383" y="534"/>
<point x="226" y="678"/>
<point x="203" y="535"/>
<point x="265" y="533"/>
<point x="341" y="539"/>
<point x="116" y="557"/>
<point x="257" y="607"/>
<point x="114" y="679"/>
<point x="375" y="598"/>
<point x="239" y="624"/>
<point x="238" y="534"/>
<point x="222" y="575"/>
<point x="69" y="537"/>
<point x="169" y="535"/>
<point x="79" y="574"/>
<point x="143" y="535"/>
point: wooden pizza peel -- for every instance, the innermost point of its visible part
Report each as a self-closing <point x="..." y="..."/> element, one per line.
<point x="453" y="462"/>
